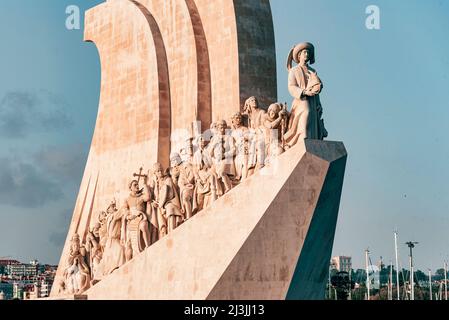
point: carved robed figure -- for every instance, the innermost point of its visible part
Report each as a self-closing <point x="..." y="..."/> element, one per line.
<point x="76" y="276"/>
<point x="305" y="86"/>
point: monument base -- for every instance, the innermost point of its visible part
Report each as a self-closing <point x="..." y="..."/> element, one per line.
<point x="270" y="237"/>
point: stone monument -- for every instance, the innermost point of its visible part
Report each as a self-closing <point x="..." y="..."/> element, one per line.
<point x="199" y="184"/>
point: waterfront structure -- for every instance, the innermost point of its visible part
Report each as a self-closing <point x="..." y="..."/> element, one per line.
<point x="342" y="263"/>
<point x="22" y="270"/>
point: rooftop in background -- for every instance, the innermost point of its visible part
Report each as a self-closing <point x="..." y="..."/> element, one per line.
<point x="7" y="262"/>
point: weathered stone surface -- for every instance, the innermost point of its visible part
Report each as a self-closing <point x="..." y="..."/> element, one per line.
<point x="164" y="65"/>
<point x="253" y="28"/>
<point x="268" y="238"/>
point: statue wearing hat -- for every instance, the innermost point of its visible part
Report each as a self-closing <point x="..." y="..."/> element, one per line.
<point x="305" y="86"/>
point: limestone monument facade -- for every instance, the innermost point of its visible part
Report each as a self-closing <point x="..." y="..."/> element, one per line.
<point x="199" y="184"/>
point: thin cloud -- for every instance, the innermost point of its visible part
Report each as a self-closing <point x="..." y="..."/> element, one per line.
<point x="65" y="163"/>
<point x="23" y="185"/>
<point x="57" y="238"/>
<point x="26" y="112"/>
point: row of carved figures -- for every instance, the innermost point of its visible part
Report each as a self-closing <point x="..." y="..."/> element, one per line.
<point x="167" y="198"/>
<point x="161" y="200"/>
<point x="198" y="175"/>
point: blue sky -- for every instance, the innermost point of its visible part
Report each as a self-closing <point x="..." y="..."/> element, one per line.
<point x="385" y="95"/>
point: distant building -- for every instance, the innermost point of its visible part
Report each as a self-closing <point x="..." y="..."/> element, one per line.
<point x="341" y="263"/>
<point x="22" y="270"/>
<point x="32" y="292"/>
<point x="7" y="261"/>
<point x="45" y="288"/>
<point x="17" y="291"/>
<point x="4" y="262"/>
<point x="25" y="281"/>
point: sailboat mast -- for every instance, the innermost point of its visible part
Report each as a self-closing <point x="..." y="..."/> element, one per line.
<point x="445" y="280"/>
<point x="367" y="274"/>
<point x="397" y="263"/>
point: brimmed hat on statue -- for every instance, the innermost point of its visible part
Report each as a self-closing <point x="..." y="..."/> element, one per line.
<point x="294" y="52"/>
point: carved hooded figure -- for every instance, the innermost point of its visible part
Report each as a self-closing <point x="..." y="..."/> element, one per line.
<point x="77" y="273"/>
<point x="305" y="86"/>
<point x="114" y="252"/>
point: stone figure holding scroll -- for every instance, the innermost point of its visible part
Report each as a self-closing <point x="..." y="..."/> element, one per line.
<point x="305" y="86"/>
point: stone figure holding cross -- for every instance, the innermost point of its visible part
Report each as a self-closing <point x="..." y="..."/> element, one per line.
<point x="137" y="235"/>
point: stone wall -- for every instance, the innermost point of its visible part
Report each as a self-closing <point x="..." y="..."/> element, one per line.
<point x="164" y="65"/>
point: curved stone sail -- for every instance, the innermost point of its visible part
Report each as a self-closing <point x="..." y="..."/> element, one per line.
<point x="166" y="65"/>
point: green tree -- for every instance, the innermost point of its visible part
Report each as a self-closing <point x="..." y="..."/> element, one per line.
<point x="440" y="273"/>
<point x="420" y="276"/>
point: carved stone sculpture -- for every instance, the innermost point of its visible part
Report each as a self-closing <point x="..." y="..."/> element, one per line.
<point x="202" y="158"/>
<point x="158" y="223"/>
<point x="94" y="251"/>
<point x="222" y="151"/>
<point x="241" y="137"/>
<point x="137" y="229"/>
<point x="256" y="153"/>
<point x="274" y="126"/>
<point x="186" y="152"/>
<point x="185" y="182"/>
<point x="102" y="232"/>
<point x="213" y="130"/>
<point x="114" y="250"/>
<point x="206" y="178"/>
<point x="167" y="199"/>
<point x="304" y="85"/>
<point x="255" y="114"/>
<point x="175" y="169"/>
<point x="77" y="272"/>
